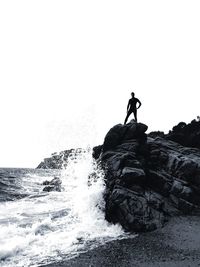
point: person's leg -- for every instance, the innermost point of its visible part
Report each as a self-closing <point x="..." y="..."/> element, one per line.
<point x="127" y="116"/>
<point x="135" y="114"/>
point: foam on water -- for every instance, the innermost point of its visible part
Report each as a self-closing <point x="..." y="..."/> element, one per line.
<point x="48" y="227"/>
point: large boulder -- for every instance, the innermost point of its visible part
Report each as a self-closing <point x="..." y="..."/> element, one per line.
<point x="148" y="179"/>
<point x="119" y="133"/>
<point x="133" y="210"/>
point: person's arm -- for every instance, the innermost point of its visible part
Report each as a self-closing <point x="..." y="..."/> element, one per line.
<point x="139" y="103"/>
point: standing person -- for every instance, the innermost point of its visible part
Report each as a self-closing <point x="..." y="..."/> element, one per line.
<point x="132" y="107"/>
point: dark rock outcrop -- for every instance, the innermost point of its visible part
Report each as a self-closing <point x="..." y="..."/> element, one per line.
<point x="184" y="134"/>
<point x="148" y="179"/>
<point x="53" y="185"/>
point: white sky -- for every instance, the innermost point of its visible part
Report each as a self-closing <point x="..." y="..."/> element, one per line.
<point x="67" y="69"/>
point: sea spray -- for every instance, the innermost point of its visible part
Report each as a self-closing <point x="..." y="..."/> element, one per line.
<point x="49" y="227"/>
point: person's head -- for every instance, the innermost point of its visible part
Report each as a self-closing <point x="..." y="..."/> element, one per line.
<point x="132" y="94"/>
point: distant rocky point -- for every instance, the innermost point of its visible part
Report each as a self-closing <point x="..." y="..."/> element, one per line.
<point x="58" y="160"/>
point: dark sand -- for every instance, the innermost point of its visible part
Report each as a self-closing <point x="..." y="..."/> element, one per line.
<point x="177" y="244"/>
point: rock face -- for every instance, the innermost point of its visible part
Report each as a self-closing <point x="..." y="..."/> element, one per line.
<point x="184" y="134"/>
<point x="148" y="179"/>
<point x="53" y="185"/>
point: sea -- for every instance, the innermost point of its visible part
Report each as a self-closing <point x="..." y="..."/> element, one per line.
<point x="38" y="228"/>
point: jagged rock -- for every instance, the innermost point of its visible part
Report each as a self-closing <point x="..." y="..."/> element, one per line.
<point x="97" y="151"/>
<point x="132" y="176"/>
<point x="148" y="179"/>
<point x="133" y="211"/>
<point x="120" y="133"/>
<point x="184" y="134"/>
<point x="53" y="185"/>
<point x="176" y="160"/>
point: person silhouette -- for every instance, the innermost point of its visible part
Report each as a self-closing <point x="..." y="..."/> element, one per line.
<point x="132" y="107"/>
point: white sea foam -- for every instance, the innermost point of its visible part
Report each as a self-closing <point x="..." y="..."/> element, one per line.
<point x="57" y="225"/>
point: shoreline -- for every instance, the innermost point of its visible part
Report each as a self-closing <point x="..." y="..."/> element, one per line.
<point x="177" y="244"/>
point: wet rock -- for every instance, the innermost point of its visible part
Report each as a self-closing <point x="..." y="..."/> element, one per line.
<point x="120" y="133"/>
<point x="185" y="134"/>
<point x="97" y="151"/>
<point x="148" y="178"/>
<point x="53" y="185"/>
<point x="132" y="176"/>
<point x="132" y="210"/>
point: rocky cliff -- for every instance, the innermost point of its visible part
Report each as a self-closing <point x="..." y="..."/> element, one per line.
<point x="148" y="179"/>
<point x="184" y="134"/>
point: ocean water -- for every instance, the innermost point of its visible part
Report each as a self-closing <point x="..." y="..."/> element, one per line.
<point x="37" y="227"/>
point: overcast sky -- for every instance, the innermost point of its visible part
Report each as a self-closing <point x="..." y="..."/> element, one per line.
<point x="67" y="69"/>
